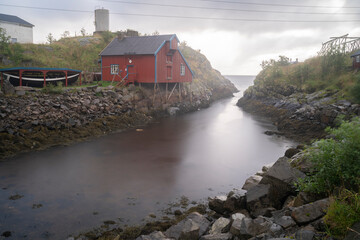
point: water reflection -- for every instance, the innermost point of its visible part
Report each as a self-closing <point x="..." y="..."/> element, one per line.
<point x="128" y="175"/>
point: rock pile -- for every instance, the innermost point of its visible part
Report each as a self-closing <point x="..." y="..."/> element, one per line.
<point x="269" y="209"/>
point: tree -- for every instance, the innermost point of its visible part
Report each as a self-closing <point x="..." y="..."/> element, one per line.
<point x="83" y="32"/>
<point x="65" y="34"/>
<point x="50" y="38"/>
<point x="156" y="33"/>
<point x="4" y="42"/>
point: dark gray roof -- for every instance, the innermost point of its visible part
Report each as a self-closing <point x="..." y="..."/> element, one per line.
<point x="136" y="45"/>
<point x="356" y="54"/>
<point x="14" y="19"/>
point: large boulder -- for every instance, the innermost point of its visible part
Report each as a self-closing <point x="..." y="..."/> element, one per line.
<point x="281" y="178"/>
<point x="221" y="225"/>
<point x="257" y="197"/>
<point x="234" y="202"/>
<point x="247" y="227"/>
<point x="251" y="182"/>
<point x="192" y="227"/>
<point x="8" y="88"/>
<point x="217" y="204"/>
<point x="310" y="212"/>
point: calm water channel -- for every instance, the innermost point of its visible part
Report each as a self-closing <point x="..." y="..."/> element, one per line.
<point x="125" y="176"/>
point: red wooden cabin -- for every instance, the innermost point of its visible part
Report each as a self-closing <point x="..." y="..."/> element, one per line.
<point x="356" y="60"/>
<point x="145" y="59"/>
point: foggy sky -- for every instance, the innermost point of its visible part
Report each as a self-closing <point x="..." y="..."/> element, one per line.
<point x="233" y="47"/>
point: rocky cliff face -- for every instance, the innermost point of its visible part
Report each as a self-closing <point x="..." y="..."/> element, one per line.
<point x="297" y="114"/>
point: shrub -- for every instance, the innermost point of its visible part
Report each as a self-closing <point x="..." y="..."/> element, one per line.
<point x="53" y="89"/>
<point x="355" y="91"/>
<point x="336" y="161"/>
<point x="343" y="212"/>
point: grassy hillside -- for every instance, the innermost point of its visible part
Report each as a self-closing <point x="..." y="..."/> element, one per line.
<point x="332" y="72"/>
<point x="74" y="52"/>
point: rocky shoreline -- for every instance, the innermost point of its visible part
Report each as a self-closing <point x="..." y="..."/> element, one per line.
<point x="270" y="208"/>
<point x="36" y="120"/>
<point x="298" y="115"/>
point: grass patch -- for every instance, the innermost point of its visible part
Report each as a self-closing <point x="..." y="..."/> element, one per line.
<point x="343" y="212"/>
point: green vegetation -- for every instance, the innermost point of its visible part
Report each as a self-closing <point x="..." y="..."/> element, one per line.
<point x="68" y="52"/>
<point x="336" y="160"/>
<point x="336" y="171"/>
<point x="331" y="72"/>
<point x="343" y="212"/>
<point x="53" y="89"/>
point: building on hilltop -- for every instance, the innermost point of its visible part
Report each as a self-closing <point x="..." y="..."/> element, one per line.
<point x="356" y="59"/>
<point x="18" y="29"/>
<point x="145" y="59"/>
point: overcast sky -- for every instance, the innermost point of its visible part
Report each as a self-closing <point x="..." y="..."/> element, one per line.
<point x="234" y="47"/>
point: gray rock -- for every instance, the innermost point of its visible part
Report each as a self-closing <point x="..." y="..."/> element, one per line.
<point x="353" y="233"/>
<point x="234" y="202"/>
<point x="127" y="98"/>
<point x="281" y="177"/>
<point x="304" y="234"/>
<point x="221" y="225"/>
<point x="8" y="88"/>
<point x="187" y="228"/>
<point x="20" y="92"/>
<point x="153" y="236"/>
<point x="285" y="222"/>
<point x="190" y="231"/>
<point x="173" y="110"/>
<point x="276" y="230"/>
<point x="218" y="236"/>
<point x="236" y="216"/>
<point x="257" y="197"/>
<point x="251" y="182"/>
<point x="247" y="227"/>
<point x="310" y="212"/>
<point x="217" y="204"/>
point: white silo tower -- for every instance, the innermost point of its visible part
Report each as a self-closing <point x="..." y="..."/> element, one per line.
<point x="101" y="20"/>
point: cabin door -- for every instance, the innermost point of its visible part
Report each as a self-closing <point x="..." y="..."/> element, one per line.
<point x="131" y="73"/>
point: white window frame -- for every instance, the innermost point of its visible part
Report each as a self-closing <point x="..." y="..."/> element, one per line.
<point x="114" y="69"/>
<point x="358" y="58"/>
<point x="182" y="70"/>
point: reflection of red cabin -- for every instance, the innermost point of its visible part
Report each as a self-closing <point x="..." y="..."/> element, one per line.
<point x="356" y="59"/>
<point x="146" y="59"/>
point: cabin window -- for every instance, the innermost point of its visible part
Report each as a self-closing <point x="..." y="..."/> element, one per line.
<point x="358" y="58"/>
<point x="169" y="72"/>
<point x="182" y="70"/>
<point x="169" y="58"/>
<point x="114" y="68"/>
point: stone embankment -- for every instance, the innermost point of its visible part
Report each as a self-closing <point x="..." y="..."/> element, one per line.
<point x="38" y="120"/>
<point x="269" y="209"/>
<point x="298" y="115"/>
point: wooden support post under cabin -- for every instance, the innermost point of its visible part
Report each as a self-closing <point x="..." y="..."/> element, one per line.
<point x="179" y="91"/>
<point x="66" y="79"/>
<point x="191" y="93"/>
<point x="44" y="73"/>
<point x="166" y="92"/>
<point x="2" y="81"/>
<point x="80" y="77"/>
<point x="20" y="78"/>
<point x="172" y="91"/>
<point x="140" y="85"/>
<point x="154" y="93"/>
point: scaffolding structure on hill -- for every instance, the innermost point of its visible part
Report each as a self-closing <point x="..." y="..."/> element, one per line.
<point x="344" y="44"/>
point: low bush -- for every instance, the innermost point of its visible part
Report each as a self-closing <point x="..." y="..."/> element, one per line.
<point x="336" y="160"/>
